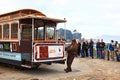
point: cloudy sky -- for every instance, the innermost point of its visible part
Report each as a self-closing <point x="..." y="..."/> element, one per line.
<point x="90" y="17"/>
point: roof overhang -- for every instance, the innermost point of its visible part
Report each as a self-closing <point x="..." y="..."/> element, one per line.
<point x="46" y="18"/>
<point x="53" y="19"/>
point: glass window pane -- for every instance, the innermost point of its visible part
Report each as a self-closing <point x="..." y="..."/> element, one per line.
<point x="39" y="33"/>
<point x="0" y="32"/>
<point x="26" y="32"/>
<point x="6" y="31"/>
<point x="50" y="33"/>
<point x="14" y="30"/>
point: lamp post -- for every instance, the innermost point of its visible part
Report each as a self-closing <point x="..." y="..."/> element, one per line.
<point x="65" y="29"/>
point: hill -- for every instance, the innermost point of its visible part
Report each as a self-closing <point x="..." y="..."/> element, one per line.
<point x="69" y="34"/>
<point x="107" y="38"/>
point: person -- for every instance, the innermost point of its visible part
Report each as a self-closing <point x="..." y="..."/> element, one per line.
<point x="111" y="49"/>
<point x="86" y="48"/>
<point x="79" y="48"/>
<point x="116" y="49"/>
<point x="102" y="50"/>
<point x="83" y="49"/>
<point x="72" y="52"/>
<point x="98" y="48"/>
<point x="91" y="43"/>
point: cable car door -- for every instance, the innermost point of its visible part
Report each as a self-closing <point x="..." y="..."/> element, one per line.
<point x="26" y="38"/>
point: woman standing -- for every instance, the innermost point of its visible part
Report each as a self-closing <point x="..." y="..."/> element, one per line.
<point x="72" y="52"/>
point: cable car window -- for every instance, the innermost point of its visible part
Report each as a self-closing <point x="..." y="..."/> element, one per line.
<point x="50" y="33"/>
<point x="14" y="30"/>
<point x="0" y="32"/>
<point x="39" y="33"/>
<point x="6" y="31"/>
<point x="27" y="32"/>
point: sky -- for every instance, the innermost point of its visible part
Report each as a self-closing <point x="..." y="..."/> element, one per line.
<point x="90" y="17"/>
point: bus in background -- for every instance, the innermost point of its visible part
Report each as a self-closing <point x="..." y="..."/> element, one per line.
<point x="28" y="39"/>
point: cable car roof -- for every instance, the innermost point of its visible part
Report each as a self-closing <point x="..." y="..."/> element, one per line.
<point x="27" y="13"/>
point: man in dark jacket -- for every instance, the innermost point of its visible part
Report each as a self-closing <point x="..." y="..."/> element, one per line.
<point x="102" y="46"/>
<point x="91" y="43"/>
<point x="79" y="48"/>
<point x="98" y="48"/>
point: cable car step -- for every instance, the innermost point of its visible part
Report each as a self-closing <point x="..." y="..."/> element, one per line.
<point x="27" y="66"/>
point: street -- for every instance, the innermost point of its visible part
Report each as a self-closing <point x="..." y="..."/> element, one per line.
<point x="83" y="69"/>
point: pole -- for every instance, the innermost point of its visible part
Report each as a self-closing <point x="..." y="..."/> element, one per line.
<point x="65" y="29"/>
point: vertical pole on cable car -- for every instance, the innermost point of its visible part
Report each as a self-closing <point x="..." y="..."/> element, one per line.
<point x="32" y="54"/>
<point x="65" y="29"/>
<point x="19" y="32"/>
<point x="65" y="35"/>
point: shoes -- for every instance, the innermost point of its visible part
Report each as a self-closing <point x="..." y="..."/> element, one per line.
<point x="66" y="70"/>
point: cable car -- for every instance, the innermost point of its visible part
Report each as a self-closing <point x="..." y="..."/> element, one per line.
<point x="28" y="39"/>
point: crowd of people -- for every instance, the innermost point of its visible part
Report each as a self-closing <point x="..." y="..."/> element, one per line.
<point x="86" y="48"/>
<point x="101" y="49"/>
<point x="92" y="49"/>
